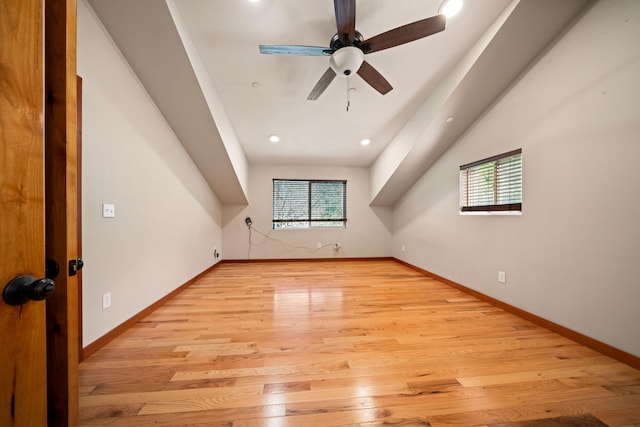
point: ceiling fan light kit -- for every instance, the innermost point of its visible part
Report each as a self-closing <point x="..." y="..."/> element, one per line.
<point x="347" y="47"/>
<point x="346" y="61"/>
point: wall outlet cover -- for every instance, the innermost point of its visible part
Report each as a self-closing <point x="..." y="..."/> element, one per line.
<point x="502" y="277"/>
<point x="106" y="300"/>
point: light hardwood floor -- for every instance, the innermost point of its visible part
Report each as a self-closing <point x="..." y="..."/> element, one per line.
<point x="346" y="343"/>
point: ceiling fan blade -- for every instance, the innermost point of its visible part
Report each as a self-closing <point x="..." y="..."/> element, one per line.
<point x="374" y="78"/>
<point x="345" y="20"/>
<point x="276" y="49"/>
<point x="322" y="84"/>
<point x="405" y="34"/>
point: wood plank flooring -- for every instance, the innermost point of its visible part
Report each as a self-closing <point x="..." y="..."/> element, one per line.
<point x="346" y="343"/>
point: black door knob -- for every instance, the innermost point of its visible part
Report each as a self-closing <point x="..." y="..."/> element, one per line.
<point x="25" y="288"/>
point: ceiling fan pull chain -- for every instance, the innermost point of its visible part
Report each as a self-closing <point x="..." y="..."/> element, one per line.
<point x="348" y="95"/>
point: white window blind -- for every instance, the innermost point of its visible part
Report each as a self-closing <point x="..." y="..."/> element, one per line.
<point x="309" y="203"/>
<point x="493" y="184"/>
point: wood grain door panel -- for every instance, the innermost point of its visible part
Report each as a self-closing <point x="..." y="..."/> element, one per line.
<point x="23" y="384"/>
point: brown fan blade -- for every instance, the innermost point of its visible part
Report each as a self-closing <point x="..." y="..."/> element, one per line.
<point x="322" y="84"/>
<point x="405" y="34"/>
<point x="374" y="78"/>
<point x="345" y="20"/>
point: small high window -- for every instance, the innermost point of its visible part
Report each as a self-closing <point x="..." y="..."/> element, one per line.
<point x="301" y="203"/>
<point x="493" y="184"/>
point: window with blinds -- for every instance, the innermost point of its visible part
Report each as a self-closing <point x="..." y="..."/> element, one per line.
<point x="493" y="184"/>
<point x="301" y="203"/>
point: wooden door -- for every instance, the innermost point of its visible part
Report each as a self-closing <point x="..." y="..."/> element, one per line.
<point x="38" y="205"/>
<point x="61" y="208"/>
<point x="23" y="382"/>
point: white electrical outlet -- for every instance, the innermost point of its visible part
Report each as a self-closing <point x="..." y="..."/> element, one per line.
<point x="403" y="248"/>
<point x="106" y="300"/>
<point x="319" y="245"/>
<point x="502" y="277"/>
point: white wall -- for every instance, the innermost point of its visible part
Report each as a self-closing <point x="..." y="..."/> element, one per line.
<point x="573" y="257"/>
<point x="167" y="219"/>
<point x="367" y="233"/>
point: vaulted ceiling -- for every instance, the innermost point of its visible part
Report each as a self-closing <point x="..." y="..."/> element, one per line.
<point x="199" y="61"/>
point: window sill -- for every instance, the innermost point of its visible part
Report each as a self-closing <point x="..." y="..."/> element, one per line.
<point x="308" y="228"/>
<point x="499" y="213"/>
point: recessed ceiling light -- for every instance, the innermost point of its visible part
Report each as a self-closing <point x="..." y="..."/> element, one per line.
<point x="450" y="8"/>
<point x="274" y="138"/>
<point x="365" y="141"/>
<point x="254" y="1"/>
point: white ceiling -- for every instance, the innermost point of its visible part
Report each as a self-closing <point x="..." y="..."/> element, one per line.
<point x="200" y="62"/>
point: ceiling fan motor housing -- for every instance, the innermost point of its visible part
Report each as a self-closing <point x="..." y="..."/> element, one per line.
<point x="346" y="61"/>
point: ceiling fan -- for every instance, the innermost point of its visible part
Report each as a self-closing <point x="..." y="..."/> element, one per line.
<point x="348" y="47"/>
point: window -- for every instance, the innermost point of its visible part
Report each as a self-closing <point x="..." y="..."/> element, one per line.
<point x="309" y="203"/>
<point x="493" y="184"/>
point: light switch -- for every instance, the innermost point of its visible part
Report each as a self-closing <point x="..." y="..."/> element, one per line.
<point x="108" y="210"/>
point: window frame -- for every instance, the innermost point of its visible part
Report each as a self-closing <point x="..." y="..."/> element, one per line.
<point x="510" y="208"/>
<point x="308" y="219"/>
